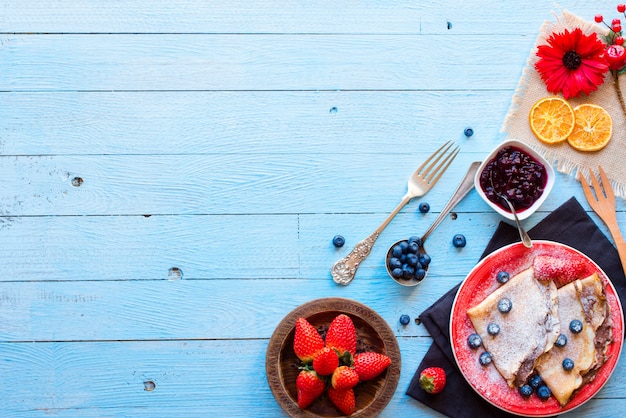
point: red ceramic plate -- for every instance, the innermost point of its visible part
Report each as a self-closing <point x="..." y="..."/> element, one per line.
<point x="480" y="282"/>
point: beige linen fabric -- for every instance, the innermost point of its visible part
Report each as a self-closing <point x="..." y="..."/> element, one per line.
<point x="566" y="159"/>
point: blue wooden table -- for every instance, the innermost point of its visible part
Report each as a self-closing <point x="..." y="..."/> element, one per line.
<point x="173" y="174"/>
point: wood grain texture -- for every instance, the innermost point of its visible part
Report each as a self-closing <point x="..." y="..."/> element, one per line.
<point x="173" y="173"/>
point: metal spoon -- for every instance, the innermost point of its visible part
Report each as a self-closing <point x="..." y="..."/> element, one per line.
<point x="522" y="232"/>
<point x="464" y="187"/>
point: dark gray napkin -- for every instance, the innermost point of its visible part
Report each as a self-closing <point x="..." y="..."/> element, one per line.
<point x="570" y="225"/>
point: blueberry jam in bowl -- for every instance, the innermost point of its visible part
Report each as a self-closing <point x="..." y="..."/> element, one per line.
<point x="516" y="171"/>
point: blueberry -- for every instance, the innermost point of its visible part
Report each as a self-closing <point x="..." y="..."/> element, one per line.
<point x="561" y="340"/>
<point x="424" y="260"/>
<point x="575" y="326"/>
<point x="474" y="341"/>
<point x="424" y="207"/>
<point x="502" y="277"/>
<point x="416" y="239"/>
<point x="568" y="364"/>
<point x="411" y="259"/>
<point x="407" y="271"/>
<point x="405" y="319"/>
<point x="413" y="247"/>
<point x="468" y="132"/>
<point x="338" y="241"/>
<point x="535" y="381"/>
<point x="394" y="263"/>
<point x="505" y="305"/>
<point x="459" y="241"/>
<point x="525" y="391"/>
<point x="543" y="392"/>
<point x="404" y="245"/>
<point x="396" y="251"/>
<point x="397" y="273"/>
<point x="420" y="274"/>
<point x="493" y="329"/>
<point x="485" y="358"/>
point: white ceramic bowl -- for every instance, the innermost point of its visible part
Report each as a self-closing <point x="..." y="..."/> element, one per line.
<point x="522" y="213"/>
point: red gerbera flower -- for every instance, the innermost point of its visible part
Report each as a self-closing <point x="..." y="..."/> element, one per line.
<point x="572" y="63"/>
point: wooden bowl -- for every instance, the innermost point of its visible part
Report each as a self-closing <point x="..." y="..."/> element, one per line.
<point x="373" y="334"/>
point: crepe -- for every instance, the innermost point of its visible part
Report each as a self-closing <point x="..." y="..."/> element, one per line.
<point x="583" y="300"/>
<point x="527" y="331"/>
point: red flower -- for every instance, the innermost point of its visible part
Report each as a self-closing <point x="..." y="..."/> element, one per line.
<point x="572" y="63"/>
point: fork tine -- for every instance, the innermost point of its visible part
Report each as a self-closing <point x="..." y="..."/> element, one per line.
<point x="596" y="186"/>
<point x="438" y="172"/>
<point x="606" y="185"/>
<point x="587" y="190"/>
<point x="435" y="155"/>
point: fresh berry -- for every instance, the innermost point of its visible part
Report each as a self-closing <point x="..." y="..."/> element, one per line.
<point x="468" y="132"/>
<point x="616" y="27"/>
<point x="405" y="319"/>
<point x="424" y="260"/>
<point x="525" y="391"/>
<point x="576" y="326"/>
<point x="598" y="18"/>
<point x="459" y="241"/>
<point x="370" y="364"/>
<point x="485" y="358"/>
<point x="493" y="329"/>
<point x="424" y="207"/>
<point x="420" y="274"/>
<point x="309" y="386"/>
<point x="621" y="8"/>
<point x="307" y="341"/>
<point x="568" y="364"/>
<point x="535" y="381"/>
<point x="338" y="241"/>
<point x="619" y="40"/>
<point x="341" y="335"/>
<point x="505" y="305"/>
<point x="416" y="239"/>
<point x="344" y="377"/>
<point x="325" y="361"/>
<point x="502" y="277"/>
<point x="561" y="341"/>
<point x="474" y="341"/>
<point x="344" y="400"/>
<point x="433" y="379"/>
<point x="543" y="392"/>
<point x="562" y="271"/>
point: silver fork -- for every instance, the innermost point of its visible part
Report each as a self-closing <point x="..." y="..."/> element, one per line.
<point x="420" y="182"/>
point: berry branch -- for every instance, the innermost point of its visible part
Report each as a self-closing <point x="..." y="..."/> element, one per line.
<point x="615" y="53"/>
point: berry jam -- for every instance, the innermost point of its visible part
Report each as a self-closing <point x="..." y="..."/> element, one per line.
<point x="516" y="175"/>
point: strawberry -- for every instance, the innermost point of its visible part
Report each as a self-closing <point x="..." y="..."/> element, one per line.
<point x="343" y="399"/>
<point x="341" y="335"/>
<point x="325" y="361"/>
<point x="433" y="379"/>
<point x="562" y="271"/>
<point x="306" y="341"/>
<point x="308" y="387"/>
<point x="370" y="364"/>
<point x="344" y="377"/>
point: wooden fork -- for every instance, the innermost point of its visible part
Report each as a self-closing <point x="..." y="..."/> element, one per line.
<point x="603" y="203"/>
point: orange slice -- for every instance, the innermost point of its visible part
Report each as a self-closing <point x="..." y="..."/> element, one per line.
<point x="593" y="128"/>
<point x="551" y="120"/>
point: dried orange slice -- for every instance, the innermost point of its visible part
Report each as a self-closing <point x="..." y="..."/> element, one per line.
<point x="593" y="128"/>
<point x="551" y="120"/>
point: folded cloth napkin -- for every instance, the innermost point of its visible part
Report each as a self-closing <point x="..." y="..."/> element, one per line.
<point x="570" y="225"/>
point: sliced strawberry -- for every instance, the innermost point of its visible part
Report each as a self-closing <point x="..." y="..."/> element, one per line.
<point x="433" y="379"/>
<point x="343" y="399"/>
<point x="561" y="271"/>
<point x="344" y="377"/>
<point x="307" y="341"/>
<point x="325" y="361"/>
<point x="309" y="386"/>
<point x="370" y="364"/>
<point x="341" y="335"/>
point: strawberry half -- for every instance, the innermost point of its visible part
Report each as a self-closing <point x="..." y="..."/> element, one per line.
<point x="370" y="364"/>
<point x="343" y="399"/>
<point x="344" y="377"/>
<point x="306" y="341"/>
<point x="561" y="271"/>
<point x="433" y="379"/>
<point x="309" y="386"/>
<point x="325" y="361"/>
<point x="341" y="335"/>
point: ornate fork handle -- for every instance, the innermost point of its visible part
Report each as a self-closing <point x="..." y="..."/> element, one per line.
<point x="344" y="270"/>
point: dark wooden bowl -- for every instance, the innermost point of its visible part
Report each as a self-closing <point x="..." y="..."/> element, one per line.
<point x="373" y="333"/>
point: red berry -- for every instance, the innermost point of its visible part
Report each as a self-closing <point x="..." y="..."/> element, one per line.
<point x="619" y="40"/>
<point x="344" y="377"/>
<point x="370" y="364"/>
<point x="341" y="335"/>
<point x="309" y="387"/>
<point x="561" y="271"/>
<point x="598" y="18"/>
<point x="616" y="27"/>
<point x="616" y="21"/>
<point x="343" y="399"/>
<point x="325" y="361"/>
<point x="433" y="379"/>
<point x="307" y="341"/>
<point x="621" y="8"/>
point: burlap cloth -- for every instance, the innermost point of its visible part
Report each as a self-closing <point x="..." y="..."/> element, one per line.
<point x="565" y="158"/>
